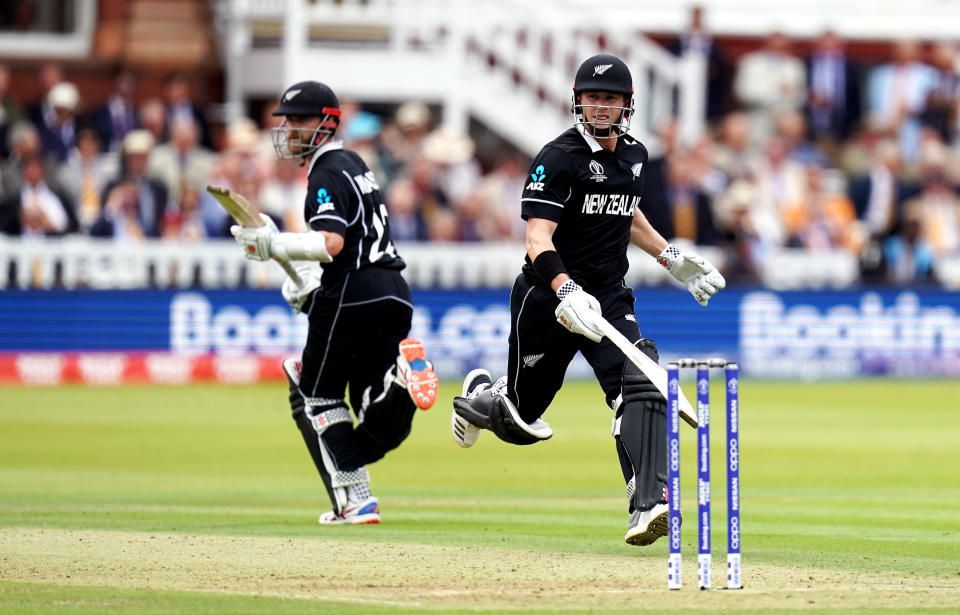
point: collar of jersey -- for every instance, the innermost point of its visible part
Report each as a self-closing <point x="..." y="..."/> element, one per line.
<point x="326" y="147"/>
<point x="593" y="143"/>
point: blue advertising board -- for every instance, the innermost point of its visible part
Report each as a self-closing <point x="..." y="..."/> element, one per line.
<point x="829" y="334"/>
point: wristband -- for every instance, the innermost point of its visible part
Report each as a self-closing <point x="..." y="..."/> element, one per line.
<point x="548" y="265"/>
<point x="567" y="288"/>
<point x="669" y="256"/>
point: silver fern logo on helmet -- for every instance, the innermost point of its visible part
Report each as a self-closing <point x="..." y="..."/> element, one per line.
<point x="601" y="68"/>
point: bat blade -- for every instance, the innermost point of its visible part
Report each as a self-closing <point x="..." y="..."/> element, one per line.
<point x="236" y="205"/>
<point x="246" y="216"/>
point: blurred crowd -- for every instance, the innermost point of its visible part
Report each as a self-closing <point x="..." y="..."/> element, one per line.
<point x="130" y="169"/>
<point x="819" y="151"/>
<point x="814" y="151"/>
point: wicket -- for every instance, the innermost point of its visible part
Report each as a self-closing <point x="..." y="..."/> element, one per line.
<point x="704" y="557"/>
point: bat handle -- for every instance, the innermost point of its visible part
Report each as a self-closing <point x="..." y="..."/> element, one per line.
<point x="608" y="330"/>
<point x="291" y="272"/>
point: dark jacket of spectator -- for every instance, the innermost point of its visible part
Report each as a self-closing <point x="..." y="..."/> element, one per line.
<point x="179" y="103"/>
<point x="50" y="213"/>
<point x="833" y="84"/>
<point x="118" y="115"/>
<point x="149" y="202"/>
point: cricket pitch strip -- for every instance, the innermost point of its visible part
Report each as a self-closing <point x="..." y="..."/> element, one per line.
<point x="330" y="570"/>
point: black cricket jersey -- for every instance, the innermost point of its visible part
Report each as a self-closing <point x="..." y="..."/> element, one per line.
<point x="343" y="197"/>
<point x="591" y="194"/>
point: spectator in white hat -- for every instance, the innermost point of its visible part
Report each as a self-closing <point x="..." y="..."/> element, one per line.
<point x="58" y="133"/>
<point x="135" y="204"/>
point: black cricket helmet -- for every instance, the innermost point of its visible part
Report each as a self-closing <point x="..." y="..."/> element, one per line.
<point x="305" y="99"/>
<point x="603" y="73"/>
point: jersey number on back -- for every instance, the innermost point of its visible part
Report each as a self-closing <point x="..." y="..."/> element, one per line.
<point x="381" y="244"/>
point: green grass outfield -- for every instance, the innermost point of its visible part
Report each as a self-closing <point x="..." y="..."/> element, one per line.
<point x="203" y="499"/>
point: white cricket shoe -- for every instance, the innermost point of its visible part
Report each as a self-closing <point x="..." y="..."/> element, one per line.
<point x="646" y="526"/>
<point x="465" y="434"/>
<point x="416" y="373"/>
<point x="356" y="513"/>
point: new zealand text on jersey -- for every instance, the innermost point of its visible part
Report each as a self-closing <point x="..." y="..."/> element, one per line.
<point x="366" y="182"/>
<point x="614" y="204"/>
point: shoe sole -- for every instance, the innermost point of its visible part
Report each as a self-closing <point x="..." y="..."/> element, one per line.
<point x="358" y="520"/>
<point x="422" y="380"/>
<point x="657" y="529"/>
<point x="464" y="434"/>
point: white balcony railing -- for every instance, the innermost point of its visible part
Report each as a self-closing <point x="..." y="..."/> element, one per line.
<point x="82" y="262"/>
<point x="507" y="63"/>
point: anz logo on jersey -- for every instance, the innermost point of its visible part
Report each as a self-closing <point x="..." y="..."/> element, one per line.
<point x="537" y="176"/>
<point x="323" y="201"/>
<point x="610" y="204"/>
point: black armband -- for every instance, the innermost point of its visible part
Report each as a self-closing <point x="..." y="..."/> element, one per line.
<point x="548" y="266"/>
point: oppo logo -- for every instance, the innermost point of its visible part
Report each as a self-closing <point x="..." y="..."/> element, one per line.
<point x="733" y="453"/>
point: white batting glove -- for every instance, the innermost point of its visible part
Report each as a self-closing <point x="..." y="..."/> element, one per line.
<point x="577" y="310"/>
<point x="295" y="295"/>
<point x="700" y="277"/>
<point x="256" y="241"/>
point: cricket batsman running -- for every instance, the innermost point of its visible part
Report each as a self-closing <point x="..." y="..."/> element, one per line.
<point x="583" y="206"/>
<point x="359" y="309"/>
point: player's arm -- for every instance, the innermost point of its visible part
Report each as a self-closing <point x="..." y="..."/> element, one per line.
<point x="700" y="277"/>
<point x="265" y="242"/>
<point x="645" y="237"/>
<point x="578" y="309"/>
<point x="542" y="205"/>
<point x="539" y="239"/>
<point x="330" y="201"/>
<point x="320" y="246"/>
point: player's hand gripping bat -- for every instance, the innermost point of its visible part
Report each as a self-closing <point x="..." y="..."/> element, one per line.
<point x="243" y="213"/>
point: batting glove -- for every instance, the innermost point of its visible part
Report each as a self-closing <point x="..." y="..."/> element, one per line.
<point x="700" y="277"/>
<point x="256" y="241"/>
<point x="295" y="295"/>
<point x="577" y="310"/>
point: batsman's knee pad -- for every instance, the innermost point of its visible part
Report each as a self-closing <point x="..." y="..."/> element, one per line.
<point x="493" y="410"/>
<point x="640" y="429"/>
<point x="316" y="412"/>
<point x="635" y="384"/>
<point x="323" y="414"/>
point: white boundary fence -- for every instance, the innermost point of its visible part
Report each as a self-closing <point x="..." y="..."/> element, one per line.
<point x="82" y="262"/>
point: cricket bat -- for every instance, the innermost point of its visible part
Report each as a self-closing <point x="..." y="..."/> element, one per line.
<point x="656" y="374"/>
<point x="243" y="213"/>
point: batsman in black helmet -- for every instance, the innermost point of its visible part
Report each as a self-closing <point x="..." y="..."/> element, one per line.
<point x="583" y="206"/>
<point x="359" y="310"/>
